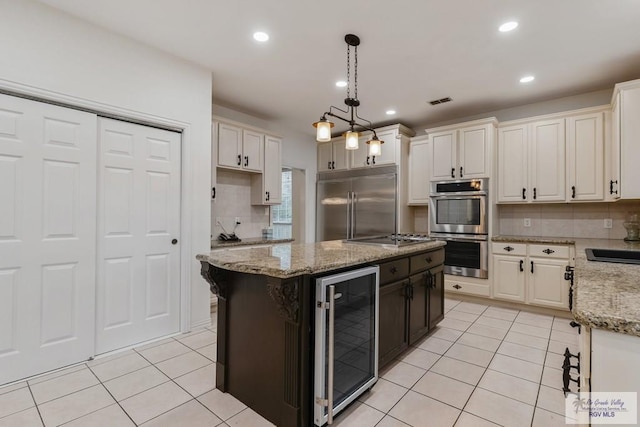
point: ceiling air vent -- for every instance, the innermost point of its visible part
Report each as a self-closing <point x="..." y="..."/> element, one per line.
<point x="440" y="101"/>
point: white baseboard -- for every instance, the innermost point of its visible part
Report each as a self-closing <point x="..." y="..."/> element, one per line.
<point x="204" y="323"/>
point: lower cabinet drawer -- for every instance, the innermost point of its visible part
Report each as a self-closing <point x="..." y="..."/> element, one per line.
<point x="426" y="260"/>
<point x="394" y="270"/>
<point x="467" y="288"/>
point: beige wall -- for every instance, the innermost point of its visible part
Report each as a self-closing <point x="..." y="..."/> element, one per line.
<point x="567" y="220"/>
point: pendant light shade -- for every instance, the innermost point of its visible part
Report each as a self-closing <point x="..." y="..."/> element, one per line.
<point x="323" y="130"/>
<point x="375" y="146"/>
<point x="351" y="140"/>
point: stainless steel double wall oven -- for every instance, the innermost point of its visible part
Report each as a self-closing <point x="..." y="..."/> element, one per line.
<point x="458" y="214"/>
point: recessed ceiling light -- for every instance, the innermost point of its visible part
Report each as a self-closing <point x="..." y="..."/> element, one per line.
<point x="341" y="83"/>
<point x="260" y="36"/>
<point x="508" y="26"/>
<point x="391" y="112"/>
<point x="527" y="79"/>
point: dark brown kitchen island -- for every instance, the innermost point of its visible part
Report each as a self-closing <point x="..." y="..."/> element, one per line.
<point x="266" y="305"/>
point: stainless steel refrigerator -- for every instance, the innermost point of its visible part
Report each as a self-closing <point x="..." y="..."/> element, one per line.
<point x="356" y="203"/>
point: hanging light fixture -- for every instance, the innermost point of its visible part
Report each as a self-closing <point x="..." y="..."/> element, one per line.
<point x="323" y="126"/>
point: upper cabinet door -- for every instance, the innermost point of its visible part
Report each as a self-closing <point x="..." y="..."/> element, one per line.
<point x="473" y="153"/>
<point x="229" y="146"/>
<point x="360" y="157"/>
<point x="547" y="161"/>
<point x="585" y="155"/>
<point x="443" y="159"/>
<point x="512" y="164"/>
<point x="340" y="155"/>
<point x="252" y="151"/>
<point x="419" y="152"/>
<point x="325" y="156"/>
<point x="388" y="156"/>
<point x="273" y="170"/>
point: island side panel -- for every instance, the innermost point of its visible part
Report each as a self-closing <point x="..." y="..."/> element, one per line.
<point x="265" y="348"/>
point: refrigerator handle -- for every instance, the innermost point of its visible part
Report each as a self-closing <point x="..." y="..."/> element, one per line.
<point x="354" y="201"/>
<point x="348" y="214"/>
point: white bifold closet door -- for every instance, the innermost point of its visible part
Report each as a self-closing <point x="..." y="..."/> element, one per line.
<point x="138" y="280"/>
<point x="47" y="237"/>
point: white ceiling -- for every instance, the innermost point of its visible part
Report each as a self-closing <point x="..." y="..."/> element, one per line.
<point x="412" y="51"/>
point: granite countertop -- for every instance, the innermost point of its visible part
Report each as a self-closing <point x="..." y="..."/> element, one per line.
<point x="220" y="244"/>
<point x="607" y="295"/>
<point x="295" y="259"/>
<point x="535" y="239"/>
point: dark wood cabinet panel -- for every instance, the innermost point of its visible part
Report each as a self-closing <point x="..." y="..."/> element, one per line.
<point x="392" y="338"/>
<point x="426" y="260"/>
<point x="418" y="307"/>
<point x="394" y="270"/>
<point x="436" y="296"/>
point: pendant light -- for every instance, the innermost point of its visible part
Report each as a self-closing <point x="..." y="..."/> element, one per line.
<point x="323" y="126"/>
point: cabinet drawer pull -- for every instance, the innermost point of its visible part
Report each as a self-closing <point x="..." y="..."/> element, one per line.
<point x="531" y="266"/>
<point x="373" y="159"/>
<point x="611" y="187"/>
<point x="548" y="251"/>
<point x="393" y="270"/>
<point x="368" y="161"/>
<point x="268" y="195"/>
<point x="328" y="165"/>
<point x="456" y="286"/>
<point x="508" y="248"/>
<point x="428" y="260"/>
<point x="575" y="324"/>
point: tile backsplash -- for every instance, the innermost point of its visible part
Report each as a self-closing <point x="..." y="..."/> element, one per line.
<point x="233" y="199"/>
<point x="580" y="220"/>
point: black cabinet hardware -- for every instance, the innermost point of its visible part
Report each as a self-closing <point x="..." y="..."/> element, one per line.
<point x="548" y="251"/>
<point x="393" y="270"/>
<point x="453" y="172"/>
<point x="213" y="193"/>
<point x="521" y="265"/>
<point x="456" y="286"/>
<point x="575" y="324"/>
<point x="239" y="159"/>
<point x="535" y="196"/>
<point x="174" y="242"/>
<point x="508" y="248"/>
<point x="333" y="165"/>
<point x="568" y="275"/>
<point x="246" y="160"/>
<point x="268" y="196"/>
<point x="531" y="266"/>
<point x="611" y="187"/>
<point x="460" y="171"/>
<point x="328" y="165"/>
<point x="428" y="260"/>
<point x="368" y="160"/>
<point x="524" y="194"/>
<point x="573" y="191"/>
<point x="373" y="159"/>
<point x="566" y="371"/>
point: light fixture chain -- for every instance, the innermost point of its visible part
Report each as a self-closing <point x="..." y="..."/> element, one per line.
<point x="355" y="79"/>
<point x="348" y="70"/>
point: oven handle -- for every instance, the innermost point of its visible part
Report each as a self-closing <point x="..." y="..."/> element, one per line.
<point x="459" y="196"/>
<point x="458" y="238"/>
<point x="330" y="368"/>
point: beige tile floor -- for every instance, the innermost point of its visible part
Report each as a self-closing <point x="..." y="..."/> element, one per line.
<point x="482" y="366"/>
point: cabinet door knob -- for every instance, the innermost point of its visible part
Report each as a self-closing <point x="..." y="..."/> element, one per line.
<point x="453" y="172"/>
<point x="393" y="270"/>
<point x="174" y="241"/>
<point x="428" y="260"/>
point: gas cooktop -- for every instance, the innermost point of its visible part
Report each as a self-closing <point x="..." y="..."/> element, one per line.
<point x="402" y="239"/>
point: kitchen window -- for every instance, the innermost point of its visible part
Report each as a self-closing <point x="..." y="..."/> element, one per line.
<point x="282" y="214"/>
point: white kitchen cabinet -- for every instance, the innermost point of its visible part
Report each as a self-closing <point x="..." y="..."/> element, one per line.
<point x="239" y="149"/>
<point x="612" y="153"/>
<point x="461" y="151"/>
<point x="333" y="155"/>
<point x="531" y="274"/>
<point x="419" y="160"/>
<point x="266" y="188"/>
<point x="585" y="157"/>
<point x="467" y="285"/>
<point x="626" y="104"/>
<point x="360" y="158"/>
<point x="531" y="162"/>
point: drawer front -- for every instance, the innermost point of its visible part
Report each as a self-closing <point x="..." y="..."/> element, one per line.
<point x="466" y="288"/>
<point x="426" y="260"/>
<point x="549" y="251"/>
<point x="394" y="270"/>
<point x="518" y="249"/>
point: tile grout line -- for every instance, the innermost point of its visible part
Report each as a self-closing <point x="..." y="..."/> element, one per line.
<point x="36" y="405"/>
